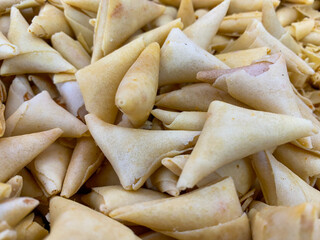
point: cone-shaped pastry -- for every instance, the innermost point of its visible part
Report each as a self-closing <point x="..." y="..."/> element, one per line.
<point x="49" y="172"/>
<point x="240" y="171"/>
<point x="159" y="34"/>
<point x="280" y="186"/>
<point x="43" y="26"/>
<point x="106" y="199"/>
<point x="86" y="158"/>
<point x="125" y="18"/>
<point x="286" y="15"/>
<point x="37" y="115"/>
<point x="155" y="236"/>
<point x="17" y="152"/>
<point x="70" y="49"/>
<point x="99" y="27"/>
<point x="270" y="91"/>
<point x="165" y="181"/>
<point x="35" y="56"/>
<point x="202" y="31"/>
<point x="5" y="190"/>
<point x="7" y="50"/>
<point x="16" y="183"/>
<point x="137" y="91"/>
<point x="227" y="135"/>
<point x="13" y="210"/>
<point x="2" y="120"/>
<point x="29" y="229"/>
<point x="304" y="163"/>
<point x="186" y="13"/>
<point x="104" y="176"/>
<point x="257" y="36"/>
<point x="79" y="23"/>
<point x="30" y="187"/>
<point x="127" y="147"/>
<point x="236" y="24"/>
<point x="182" y="59"/>
<point x="197" y="3"/>
<point x="19" y="92"/>
<point x="181" y="121"/>
<point x="195" y="97"/>
<point x="265" y="222"/>
<point x="89" y="5"/>
<point x="273" y="26"/>
<point x="44" y="83"/>
<point x="6" y="5"/>
<point x="204" y="210"/>
<point x="243" y="57"/>
<point x="70" y="220"/>
<point x="100" y="80"/>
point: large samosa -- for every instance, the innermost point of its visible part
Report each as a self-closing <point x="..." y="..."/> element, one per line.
<point x="136" y="153"/>
<point x="231" y="133"/>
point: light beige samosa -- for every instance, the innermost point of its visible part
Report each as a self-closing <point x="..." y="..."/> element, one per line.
<point x="19" y="91"/>
<point x="49" y="21"/>
<point x="7" y="49"/>
<point x="124" y="19"/>
<point x="232" y="132"/>
<point x="17" y="152"/>
<point x="106" y="199"/>
<point x="210" y="211"/>
<point x="193" y="121"/>
<point x="44" y="83"/>
<point x="280" y="186"/>
<point x="42" y="113"/>
<point x="35" y="55"/>
<point x="49" y="168"/>
<point x="137" y="91"/>
<point x="181" y="59"/>
<point x="70" y="220"/>
<point x="99" y="81"/>
<point x="301" y="222"/>
<point x="203" y="30"/>
<point x="186" y="13"/>
<point x="70" y="49"/>
<point x="269" y="91"/>
<point x="13" y="210"/>
<point x="304" y="163"/>
<point x="30" y="187"/>
<point x="127" y="150"/>
<point x="85" y="160"/>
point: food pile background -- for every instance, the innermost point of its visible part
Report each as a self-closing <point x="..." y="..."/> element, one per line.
<point x="159" y="120"/>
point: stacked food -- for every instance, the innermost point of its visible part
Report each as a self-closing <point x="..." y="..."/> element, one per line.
<point x="159" y="120"/>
